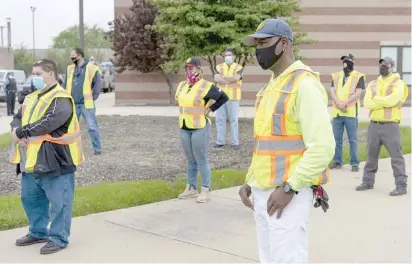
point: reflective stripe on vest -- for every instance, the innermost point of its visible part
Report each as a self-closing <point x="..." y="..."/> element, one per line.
<point x="387" y="110"/>
<point x="281" y="146"/>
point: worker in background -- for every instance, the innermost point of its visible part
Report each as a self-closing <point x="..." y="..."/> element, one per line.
<point x="384" y="98"/>
<point x="293" y="146"/>
<point x="229" y="79"/>
<point x="346" y="89"/>
<point x="11" y="90"/>
<point x="46" y="147"/>
<point x="194" y="97"/>
<point x="83" y="82"/>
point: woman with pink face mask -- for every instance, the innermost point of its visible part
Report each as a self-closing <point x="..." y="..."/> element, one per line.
<point x="195" y="97"/>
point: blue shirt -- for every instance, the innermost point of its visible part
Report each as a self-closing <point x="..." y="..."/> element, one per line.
<point x="78" y="80"/>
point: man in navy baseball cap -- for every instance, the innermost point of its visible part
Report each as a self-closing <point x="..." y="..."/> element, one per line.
<point x="271" y="30"/>
<point x="293" y="106"/>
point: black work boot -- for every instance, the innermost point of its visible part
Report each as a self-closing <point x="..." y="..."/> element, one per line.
<point x="29" y="240"/>
<point x="335" y="166"/>
<point x="364" y="187"/>
<point x="50" y="248"/>
<point x="355" y="168"/>
<point x="398" y="192"/>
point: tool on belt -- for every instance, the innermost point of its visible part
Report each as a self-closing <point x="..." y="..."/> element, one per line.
<point x="321" y="198"/>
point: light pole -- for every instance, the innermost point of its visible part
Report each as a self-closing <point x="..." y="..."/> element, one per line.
<point x="33" y="9"/>
<point x="1" y="29"/>
<point x="81" y="25"/>
<point x="8" y="20"/>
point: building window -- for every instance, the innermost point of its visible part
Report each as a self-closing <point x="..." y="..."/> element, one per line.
<point x="402" y="57"/>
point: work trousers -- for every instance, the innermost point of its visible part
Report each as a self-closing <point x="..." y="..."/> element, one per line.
<point x="387" y="134"/>
<point x="351" y="125"/>
<point x="90" y="117"/>
<point x="11" y="102"/>
<point x="283" y="240"/>
<point x="196" y="147"/>
<point x="230" y="110"/>
<point x="48" y="199"/>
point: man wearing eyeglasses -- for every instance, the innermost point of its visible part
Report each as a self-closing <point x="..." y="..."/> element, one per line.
<point x="46" y="147"/>
<point x="384" y="98"/>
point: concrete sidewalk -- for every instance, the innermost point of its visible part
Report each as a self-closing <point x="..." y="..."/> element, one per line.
<point x="360" y="227"/>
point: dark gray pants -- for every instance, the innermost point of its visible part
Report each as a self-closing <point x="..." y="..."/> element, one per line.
<point x="387" y="134"/>
<point x="11" y="102"/>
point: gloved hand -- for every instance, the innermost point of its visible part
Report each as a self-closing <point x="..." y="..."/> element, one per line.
<point x="321" y="198"/>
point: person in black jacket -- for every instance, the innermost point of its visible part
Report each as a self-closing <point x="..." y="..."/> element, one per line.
<point x="51" y="180"/>
<point x="11" y="90"/>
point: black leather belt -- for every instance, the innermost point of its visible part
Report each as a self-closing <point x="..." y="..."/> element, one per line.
<point x="381" y="123"/>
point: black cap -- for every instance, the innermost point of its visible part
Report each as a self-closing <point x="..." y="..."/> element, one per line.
<point x="349" y="55"/>
<point x="194" y="61"/>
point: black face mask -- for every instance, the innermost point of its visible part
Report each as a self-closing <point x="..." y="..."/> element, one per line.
<point x="383" y="70"/>
<point x="74" y="59"/>
<point x="349" y="66"/>
<point x="267" y="57"/>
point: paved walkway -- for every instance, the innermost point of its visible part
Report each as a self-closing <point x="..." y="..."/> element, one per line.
<point x="105" y="106"/>
<point x="360" y="227"/>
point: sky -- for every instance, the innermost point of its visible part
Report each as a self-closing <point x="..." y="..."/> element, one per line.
<point x="51" y="17"/>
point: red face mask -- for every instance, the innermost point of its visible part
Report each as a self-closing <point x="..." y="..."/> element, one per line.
<point x="191" y="77"/>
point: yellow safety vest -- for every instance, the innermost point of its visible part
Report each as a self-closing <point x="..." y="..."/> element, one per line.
<point x="87" y="84"/>
<point x="385" y="88"/>
<point x="191" y="104"/>
<point x="232" y="90"/>
<point x="278" y="143"/>
<point x="344" y="92"/>
<point x="33" y="110"/>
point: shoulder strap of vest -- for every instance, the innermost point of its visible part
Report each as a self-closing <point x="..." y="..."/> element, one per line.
<point x="288" y="87"/>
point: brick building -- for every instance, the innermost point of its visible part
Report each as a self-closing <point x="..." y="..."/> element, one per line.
<point x="369" y="29"/>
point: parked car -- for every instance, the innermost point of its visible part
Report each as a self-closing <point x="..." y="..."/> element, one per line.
<point x="20" y="77"/>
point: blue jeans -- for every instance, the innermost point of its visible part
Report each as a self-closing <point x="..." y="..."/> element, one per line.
<point x="196" y="147"/>
<point x="90" y="117"/>
<point x="48" y="199"/>
<point x="230" y="110"/>
<point x="351" y="125"/>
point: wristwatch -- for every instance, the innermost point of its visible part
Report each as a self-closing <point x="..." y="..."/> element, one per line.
<point x="288" y="189"/>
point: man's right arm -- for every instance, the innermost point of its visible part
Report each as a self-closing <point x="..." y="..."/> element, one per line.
<point x="218" y="78"/>
<point x="367" y="100"/>
<point x="16" y="122"/>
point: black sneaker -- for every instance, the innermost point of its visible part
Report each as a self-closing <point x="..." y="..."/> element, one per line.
<point x="29" y="240"/>
<point x="355" y="168"/>
<point x="219" y="146"/>
<point x="97" y="153"/>
<point x="364" y="187"/>
<point x="50" y="248"/>
<point x="398" y="192"/>
<point x="335" y="166"/>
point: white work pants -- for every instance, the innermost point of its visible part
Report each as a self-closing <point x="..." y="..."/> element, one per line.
<point x="283" y="240"/>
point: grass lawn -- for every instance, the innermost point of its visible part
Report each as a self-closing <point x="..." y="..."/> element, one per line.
<point x="110" y="196"/>
<point x="5" y="140"/>
<point x="405" y="139"/>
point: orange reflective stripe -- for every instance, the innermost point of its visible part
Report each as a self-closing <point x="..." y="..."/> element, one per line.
<point x="279" y="118"/>
<point x="192" y="110"/>
<point x="197" y="100"/>
<point x="388" y="110"/>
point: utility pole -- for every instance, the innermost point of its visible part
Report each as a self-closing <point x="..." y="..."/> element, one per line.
<point x="81" y="25"/>
<point x="8" y="32"/>
<point x="33" y="9"/>
<point x="2" y="40"/>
